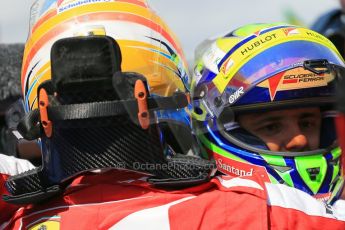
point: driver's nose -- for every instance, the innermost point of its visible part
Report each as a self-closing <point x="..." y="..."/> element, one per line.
<point x="297" y="142"/>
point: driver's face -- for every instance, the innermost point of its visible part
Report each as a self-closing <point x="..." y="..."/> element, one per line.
<point x="292" y="130"/>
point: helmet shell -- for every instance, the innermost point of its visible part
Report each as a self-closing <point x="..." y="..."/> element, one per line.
<point x="256" y="68"/>
<point x="139" y="32"/>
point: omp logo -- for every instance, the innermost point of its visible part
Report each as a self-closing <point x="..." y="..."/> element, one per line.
<point x="236" y="95"/>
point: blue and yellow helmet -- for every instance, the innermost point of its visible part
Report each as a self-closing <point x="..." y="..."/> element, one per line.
<point x="262" y="67"/>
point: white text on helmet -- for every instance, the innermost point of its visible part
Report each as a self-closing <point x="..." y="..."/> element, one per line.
<point x="236" y="95"/>
<point x="233" y="170"/>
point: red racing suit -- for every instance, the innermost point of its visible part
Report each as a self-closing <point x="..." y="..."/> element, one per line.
<point x="124" y="200"/>
<point x="10" y="166"/>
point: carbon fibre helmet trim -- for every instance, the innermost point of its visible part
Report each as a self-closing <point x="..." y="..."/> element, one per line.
<point x="120" y="59"/>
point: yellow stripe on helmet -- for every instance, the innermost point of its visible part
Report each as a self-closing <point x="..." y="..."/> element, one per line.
<point x="120" y="7"/>
<point x="262" y="42"/>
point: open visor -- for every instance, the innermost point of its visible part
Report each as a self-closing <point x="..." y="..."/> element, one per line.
<point x="322" y="96"/>
<point x="270" y="109"/>
<point x="305" y="76"/>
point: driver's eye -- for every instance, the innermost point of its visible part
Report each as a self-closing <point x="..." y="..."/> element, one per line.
<point x="306" y="125"/>
<point x="270" y="129"/>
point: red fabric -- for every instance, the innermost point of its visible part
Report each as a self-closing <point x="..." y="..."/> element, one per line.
<point x="100" y="201"/>
<point x="220" y="210"/>
<point x="340" y="126"/>
<point x="6" y="210"/>
<point x="283" y="218"/>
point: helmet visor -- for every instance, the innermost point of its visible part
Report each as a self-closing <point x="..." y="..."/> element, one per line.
<point x="264" y="66"/>
<point x="258" y="126"/>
